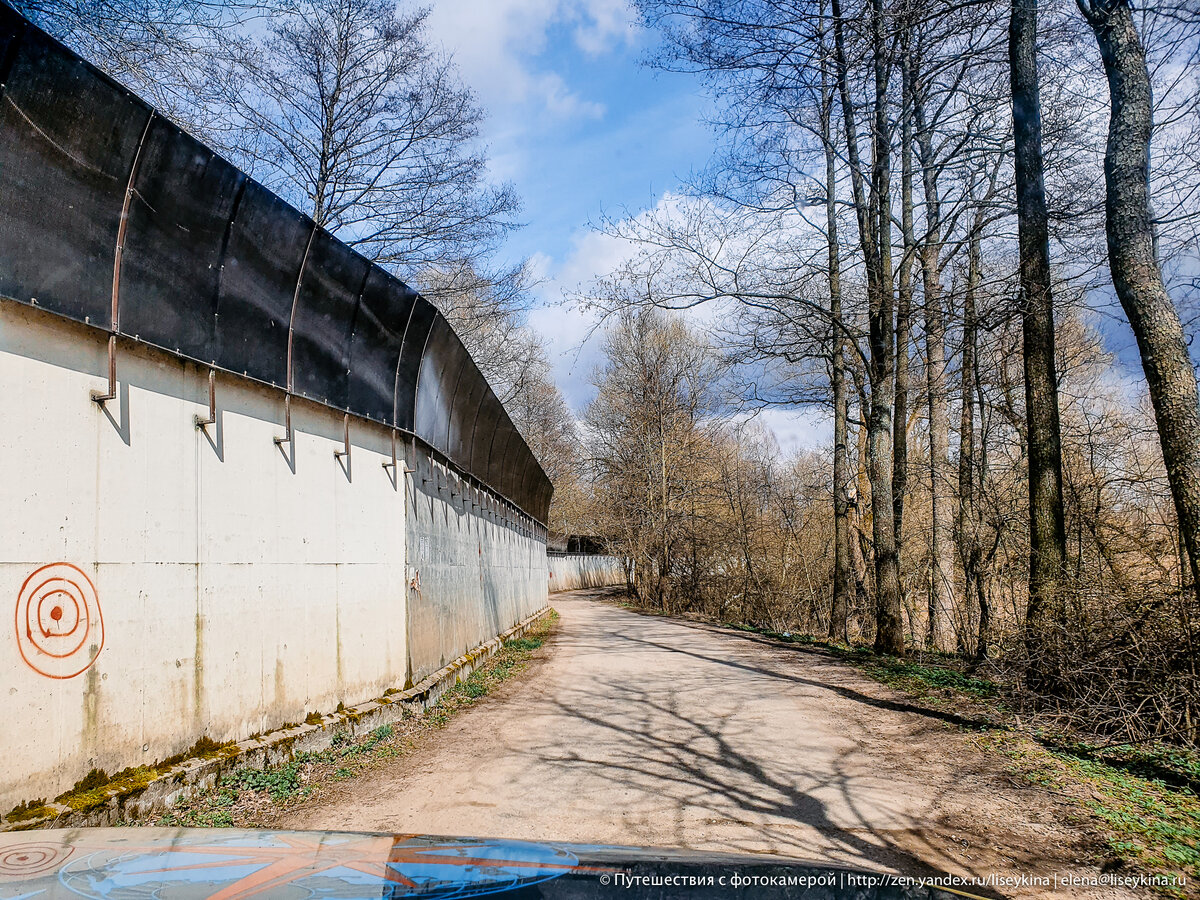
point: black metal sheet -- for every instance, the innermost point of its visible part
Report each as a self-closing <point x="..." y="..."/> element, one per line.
<point x="518" y="459"/>
<point x="70" y="138"/>
<point x="520" y="493"/>
<point x="531" y="489"/>
<point x="544" y="499"/>
<point x="468" y="398"/>
<point x="415" y="336"/>
<point x="515" y="458"/>
<point x="443" y="360"/>
<point x="326" y="307"/>
<point x="11" y="28"/>
<point x="530" y="486"/>
<point x="263" y="256"/>
<point x="179" y="219"/>
<point x="376" y="343"/>
<point x="483" y="435"/>
<point x="508" y="439"/>
<point x="502" y="432"/>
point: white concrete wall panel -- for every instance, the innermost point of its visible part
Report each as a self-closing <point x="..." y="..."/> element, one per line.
<point x="574" y="571"/>
<point x="471" y="576"/>
<point x="241" y="584"/>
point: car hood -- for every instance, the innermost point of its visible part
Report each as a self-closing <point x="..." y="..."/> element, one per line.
<point x="183" y="863"/>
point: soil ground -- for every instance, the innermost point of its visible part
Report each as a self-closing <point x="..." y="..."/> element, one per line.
<point x="633" y="729"/>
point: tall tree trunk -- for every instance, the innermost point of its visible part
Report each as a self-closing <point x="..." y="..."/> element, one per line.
<point x="874" y="229"/>
<point x="1047" y="531"/>
<point x="889" y="633"/>
<point x="968" y="518"/>
<point x="1134" y="262"/>
<point x="904" y="295"/>
<point x="842" y="574"/>
<point x="942" y="601"/>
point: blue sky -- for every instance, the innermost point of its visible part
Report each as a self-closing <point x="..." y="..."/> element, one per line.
<point x="582" y="128"/>
<point x="575" y="121"/>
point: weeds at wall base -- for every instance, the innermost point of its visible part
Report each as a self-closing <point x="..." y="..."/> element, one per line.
<point x="136" y="795"/>
<point x="253" y="797"/>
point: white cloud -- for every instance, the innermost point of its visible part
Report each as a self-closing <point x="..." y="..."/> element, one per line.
<point x="798" y="429"/>
<point x="562" y="102"/>
<point x="495" y="44"/>
<point x="573" y="334"/>
<point x="603" y="25"/>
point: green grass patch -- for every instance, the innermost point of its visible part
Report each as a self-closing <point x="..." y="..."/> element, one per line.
<point x="922" y="679"/>
<point x="1172" y="764"/>
<point x="1147" y="825"/>
<point x="508" y="661"/>
<point x="932" y="675"/>
<point x="281" y="782"/>
<point x="524" y="643"/>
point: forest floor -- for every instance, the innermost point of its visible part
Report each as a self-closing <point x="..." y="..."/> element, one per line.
<point x="609" y="726"/>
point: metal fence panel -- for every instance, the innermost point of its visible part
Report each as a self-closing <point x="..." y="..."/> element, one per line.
<point x="326" y="306"/>
<point x="502" y="433"/>
<point x="486" y="421"/>
<point x="11" y="28"/>
<point x="70" y="139"/>
<point x="468" y="399"/>
<point x="435" y="386"/>
<point x="375" y="345"/>
<point x="263" y="257"/>
<point x="169" y="287"/>
<point x="415" y="336"/>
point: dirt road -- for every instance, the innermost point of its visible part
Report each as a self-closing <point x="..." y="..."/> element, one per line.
<point x="642" y="730"/>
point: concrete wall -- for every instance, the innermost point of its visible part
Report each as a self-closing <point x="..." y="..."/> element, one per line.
<point x="171" y="582"/>
<point x="572" y="571"/>
<point x="471" y="576"/>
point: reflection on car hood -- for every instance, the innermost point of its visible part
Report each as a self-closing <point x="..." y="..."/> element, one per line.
<point x="181" y="863"/>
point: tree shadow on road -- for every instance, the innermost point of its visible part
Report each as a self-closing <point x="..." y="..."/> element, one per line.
<point x="698" y="766"/>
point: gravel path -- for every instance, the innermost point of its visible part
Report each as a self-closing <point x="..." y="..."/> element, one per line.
<point x="640" y="730"/>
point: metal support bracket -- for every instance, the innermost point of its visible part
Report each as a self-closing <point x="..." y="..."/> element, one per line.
<point x="286" y="437"/>
<point x="394" y="464"/>
<point x="212" y="403"/>
<point x="122" y="228"/>
<point x="398" y="462"/>
<point x="111" y="394"/>
<point x="345" y="451"/>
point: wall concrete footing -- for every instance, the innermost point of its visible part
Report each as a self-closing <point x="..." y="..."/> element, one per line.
<point x="192" y="776"/>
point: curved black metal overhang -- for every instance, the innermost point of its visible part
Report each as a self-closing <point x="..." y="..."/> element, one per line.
<point x="116" y="218"/>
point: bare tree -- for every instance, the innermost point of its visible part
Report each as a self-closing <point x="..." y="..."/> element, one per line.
<point x="1133" y="260"/>
<point x="842" y="577"/>
<point x="343" y="108"/>
<point x="1047" y="528"/>
<point x="647" y="427"/>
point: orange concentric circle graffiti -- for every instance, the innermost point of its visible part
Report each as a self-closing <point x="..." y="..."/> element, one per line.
<point x="60" y="630"/>
<point x="32" y="858"/>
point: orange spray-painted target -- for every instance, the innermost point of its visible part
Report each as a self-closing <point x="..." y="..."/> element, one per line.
<point x="31" y="858"/>
<point x="60" y="630"/>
